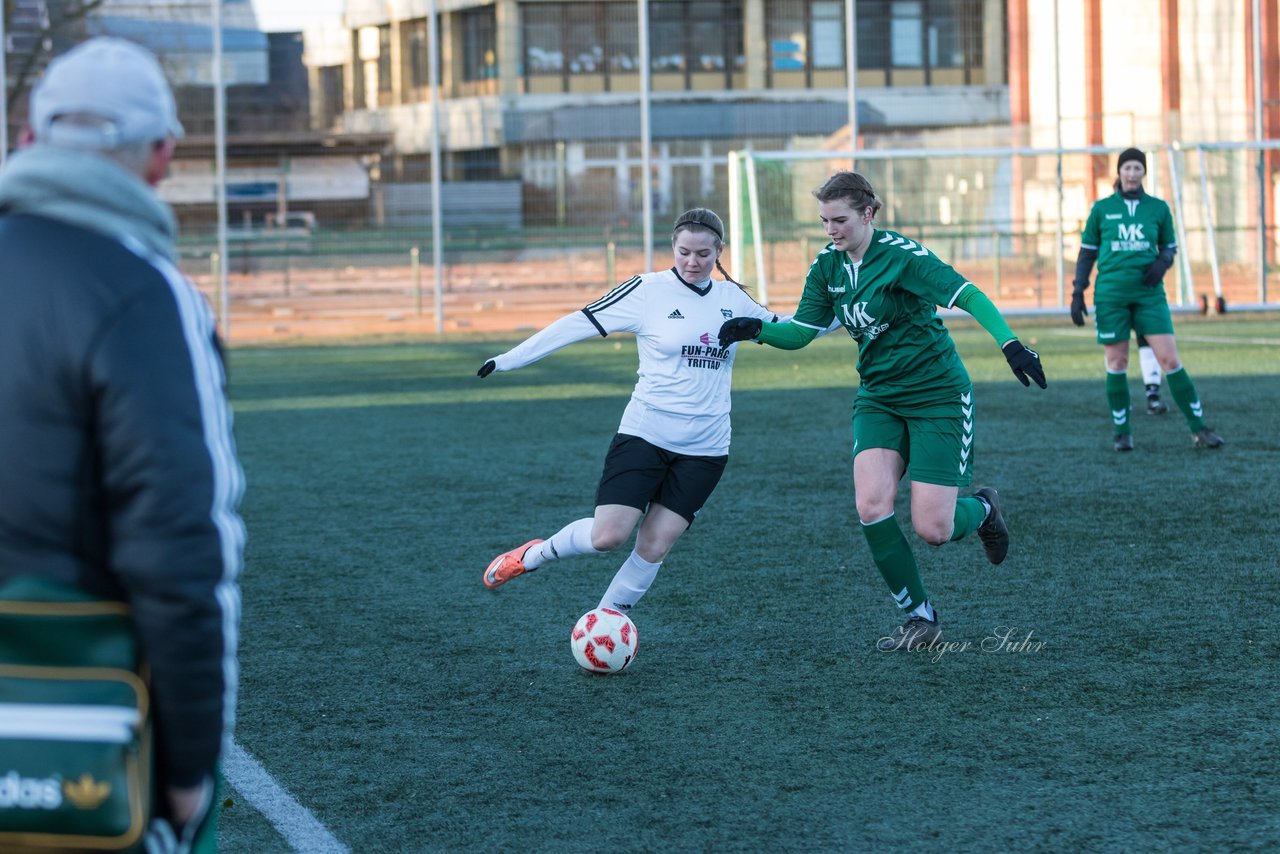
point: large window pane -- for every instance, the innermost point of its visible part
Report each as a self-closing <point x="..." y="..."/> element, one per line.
<point x="666" y="37"/>
<point x="785" y="29"/>
<point x="622" y="35"/>
<point x="384" y="58"/>
<point x="584" y="48"/>
<point x="872" y="19"/>
<point x="906" y="34"/>
<point x="707" y="35"/>
<point x="479" y="44"/>
<point x="543" y="40"/>
<point x="416" y="42"/>
<point x="828" y="34"/>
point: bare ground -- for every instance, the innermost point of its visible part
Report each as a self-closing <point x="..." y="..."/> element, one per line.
<point x="525" y="294"/>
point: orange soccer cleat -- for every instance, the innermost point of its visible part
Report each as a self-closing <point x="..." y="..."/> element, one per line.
<point x="507" y="565"/>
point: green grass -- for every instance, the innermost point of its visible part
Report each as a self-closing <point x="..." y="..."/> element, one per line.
<point x="411" y="709"/>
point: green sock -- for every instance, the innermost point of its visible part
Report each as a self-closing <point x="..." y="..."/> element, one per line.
<point x="892" y="554"/>
<point x="1118" y="400"/>
<point x="1184" y="394"/>
<point x="969" y="515"/>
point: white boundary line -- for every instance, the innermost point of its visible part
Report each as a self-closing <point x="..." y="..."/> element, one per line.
<point x="292" y="820"/>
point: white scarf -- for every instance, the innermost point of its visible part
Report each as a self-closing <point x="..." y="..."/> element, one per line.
<point x="88" y="190"/>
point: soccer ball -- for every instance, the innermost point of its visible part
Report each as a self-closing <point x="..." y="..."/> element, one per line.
<point x="604" y="641"/>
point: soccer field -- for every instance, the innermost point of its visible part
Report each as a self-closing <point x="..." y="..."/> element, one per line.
<point x="1110" y="687"/>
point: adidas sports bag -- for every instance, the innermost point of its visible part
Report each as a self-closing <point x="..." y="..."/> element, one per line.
<point x="75" y="734"/>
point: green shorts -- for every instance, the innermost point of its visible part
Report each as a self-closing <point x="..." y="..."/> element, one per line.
<point x="1146" y="317"/>
<point x="935" y="441"/>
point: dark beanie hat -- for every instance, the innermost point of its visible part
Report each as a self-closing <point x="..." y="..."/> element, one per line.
<point x="1131" y="154"/>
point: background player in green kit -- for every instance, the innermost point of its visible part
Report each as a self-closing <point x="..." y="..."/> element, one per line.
<point x="914" y="410"/>
<point x="1130" y="234"/>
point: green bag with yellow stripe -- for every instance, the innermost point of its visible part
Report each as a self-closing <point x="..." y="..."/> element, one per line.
<point x="75" y="731"/>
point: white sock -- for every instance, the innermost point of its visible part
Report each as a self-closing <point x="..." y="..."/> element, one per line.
<point x="570" y="541"/>
<point x="1150" y="366"/>
<point x="986" y="514"/>
<point x="924" y="609"/>
<point x="630" y="583"/>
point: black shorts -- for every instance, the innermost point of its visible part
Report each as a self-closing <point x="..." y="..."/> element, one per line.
<point x="637" y="473"/>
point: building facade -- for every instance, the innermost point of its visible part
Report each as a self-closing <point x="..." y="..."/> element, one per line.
<point x="546" y="92"/>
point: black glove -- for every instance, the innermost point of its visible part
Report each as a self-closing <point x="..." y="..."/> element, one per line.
<point x="1078" y="309"/>
<point x="486" y="369"/>
<point x="1156" y="269"/>
<point x="1025" y="363"/>
<point x="739" y="329"/>
<point x="1154" y="273"/>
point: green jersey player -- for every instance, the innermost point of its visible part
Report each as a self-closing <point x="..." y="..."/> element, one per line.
<point x="914" y="410"/>
<point x="1130" y="236"/>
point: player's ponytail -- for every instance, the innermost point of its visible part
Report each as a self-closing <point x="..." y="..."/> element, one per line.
<point x="727" y="277"/>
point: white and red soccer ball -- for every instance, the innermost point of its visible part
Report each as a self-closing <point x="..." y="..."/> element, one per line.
<point x="604" y="640"/>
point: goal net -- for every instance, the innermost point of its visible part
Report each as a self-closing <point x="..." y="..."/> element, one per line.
<point x="1009" y="219"/>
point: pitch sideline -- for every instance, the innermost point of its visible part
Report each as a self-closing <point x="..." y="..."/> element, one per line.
<point x="302" y="830"/>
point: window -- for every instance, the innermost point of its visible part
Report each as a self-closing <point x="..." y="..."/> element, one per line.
<point x="331" y="85"/>
<point x="828" y="34"/>
<point x="905" y="30"/>
<point x="934" y="41"/>
<point x="479" y="44"/>
<point x="585" y="45"/>
<point x="805" y="36"/>
<point x="384" y="58"/>
<point x="483" y="164"/>
<point x="703" y="36"/>
<point x="622" y="38"/>
<point x="416" y="46"/>
<point x="666" y="37"/>
<point x="543" y="39"/>
<point x="579" y="46"/>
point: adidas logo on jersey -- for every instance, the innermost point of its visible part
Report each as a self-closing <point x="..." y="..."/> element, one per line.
<point x="675" y="315"/>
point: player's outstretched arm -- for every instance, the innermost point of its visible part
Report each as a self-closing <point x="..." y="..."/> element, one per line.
<point x="784" y="336"/>
<point x="1024" y="361"/>
<point x="567" y="330"/>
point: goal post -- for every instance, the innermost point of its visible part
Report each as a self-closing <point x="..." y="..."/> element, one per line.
<point x="995" y="214"/>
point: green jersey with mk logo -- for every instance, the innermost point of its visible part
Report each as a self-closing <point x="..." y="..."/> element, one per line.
<point x="1128" y="234"/>
<point x="888" y="303"/>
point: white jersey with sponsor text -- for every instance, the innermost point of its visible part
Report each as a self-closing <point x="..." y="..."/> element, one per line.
<point x="681" y="398"/>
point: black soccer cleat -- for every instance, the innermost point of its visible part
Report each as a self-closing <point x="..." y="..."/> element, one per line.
<point x="1124" y="441"/>
<point x="1156" y="406"/>
<point x="913" y="634"/>
<point x="993" y="532"/>
<point x="1206" y="438"/>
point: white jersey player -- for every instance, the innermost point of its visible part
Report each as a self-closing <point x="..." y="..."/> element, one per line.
<point x="673" y="443"/>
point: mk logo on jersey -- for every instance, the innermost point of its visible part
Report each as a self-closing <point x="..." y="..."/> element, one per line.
<point x="858" y="316"/>
<point x="860" y="323"/>
<point x="1131" y="232"/>
<point x="675" y="315"/>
